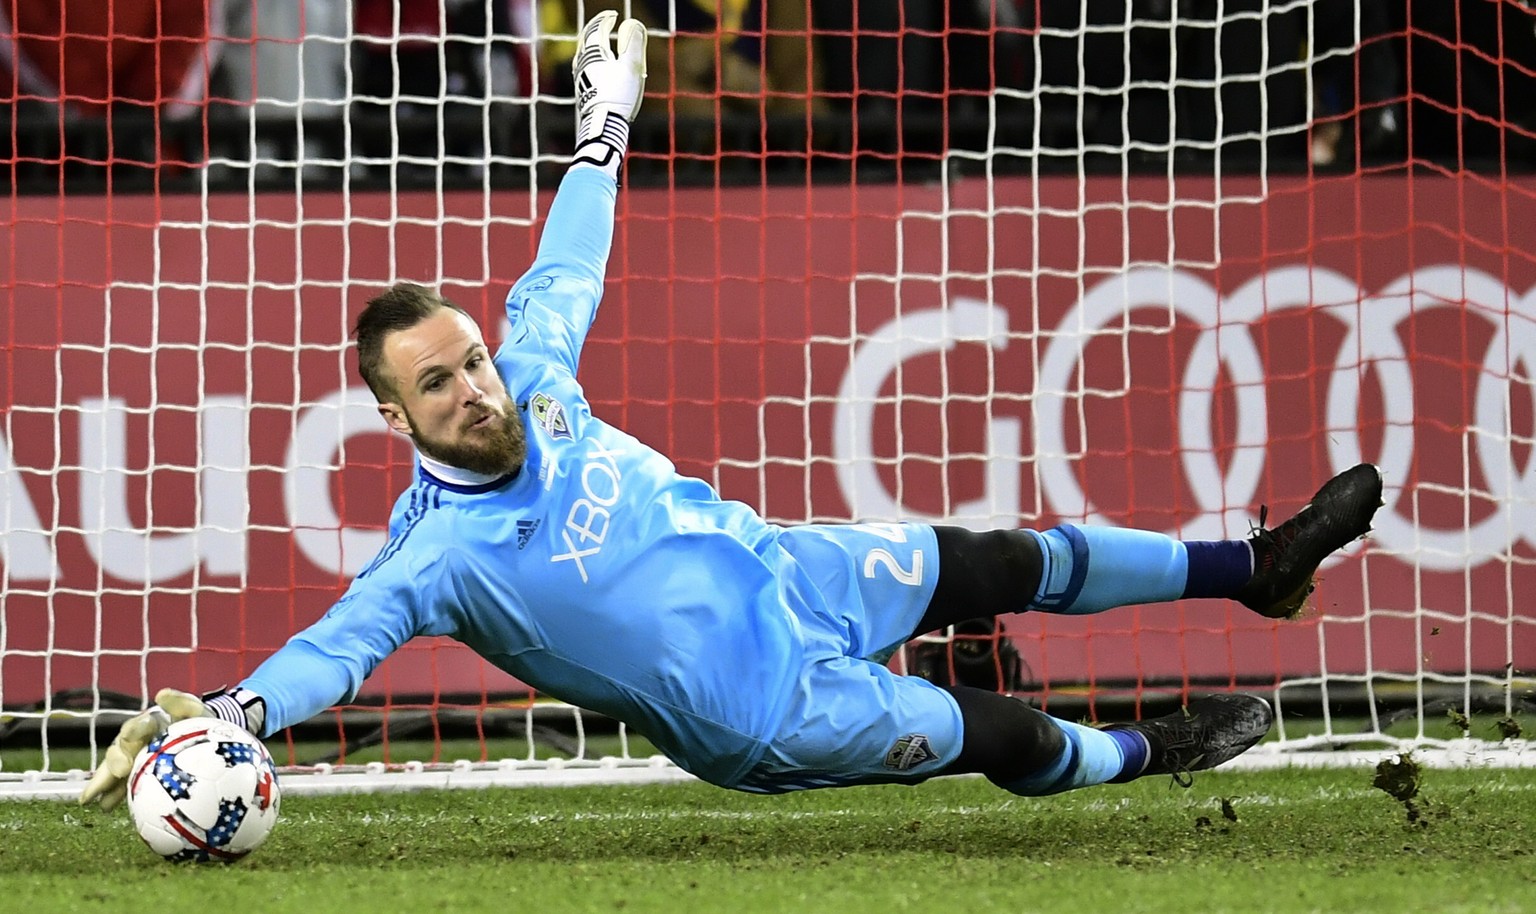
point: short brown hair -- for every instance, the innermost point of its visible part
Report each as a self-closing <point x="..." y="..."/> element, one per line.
<point x="402" y="307"/>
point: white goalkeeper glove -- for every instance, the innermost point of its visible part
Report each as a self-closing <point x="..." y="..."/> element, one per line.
<point x="109" y="785"/>
<point x="608" y="90"/>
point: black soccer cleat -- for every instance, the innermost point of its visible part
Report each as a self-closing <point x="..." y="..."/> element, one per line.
<point x="1286" y="557"/>
<point x="1201" y="735"/>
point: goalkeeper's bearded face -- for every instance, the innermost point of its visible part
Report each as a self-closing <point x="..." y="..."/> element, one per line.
<point x="451" y="401"/>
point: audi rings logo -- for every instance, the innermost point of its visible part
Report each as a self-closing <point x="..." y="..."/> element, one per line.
<point x="1372" y="335"/>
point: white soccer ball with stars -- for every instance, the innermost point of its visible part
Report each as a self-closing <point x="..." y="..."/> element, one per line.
<point x="206" y="791"/>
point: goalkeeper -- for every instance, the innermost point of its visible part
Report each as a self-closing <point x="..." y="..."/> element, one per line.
<point x="576" y="558"/>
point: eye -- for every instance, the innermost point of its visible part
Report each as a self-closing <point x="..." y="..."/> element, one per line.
<point x="436" y="383"/>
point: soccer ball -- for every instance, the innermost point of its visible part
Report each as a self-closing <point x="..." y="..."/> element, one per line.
<point x="205" y="791"/>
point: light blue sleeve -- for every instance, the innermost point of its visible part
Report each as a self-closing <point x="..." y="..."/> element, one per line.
<point x="557" y="298"/>
<point x="325" y="664"/>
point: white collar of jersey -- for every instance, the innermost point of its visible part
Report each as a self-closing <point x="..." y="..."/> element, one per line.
<point x="453" y="475"/>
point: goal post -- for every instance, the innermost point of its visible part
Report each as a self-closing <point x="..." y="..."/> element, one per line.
<point x="985" y="264"/>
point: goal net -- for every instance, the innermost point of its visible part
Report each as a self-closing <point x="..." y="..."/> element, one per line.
<point x="1164" y="265"/>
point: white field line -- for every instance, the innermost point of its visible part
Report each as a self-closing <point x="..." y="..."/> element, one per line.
<point x="1022" y="805"/>
<point x="1469" y="754"/>
<point x="609" y="772"/>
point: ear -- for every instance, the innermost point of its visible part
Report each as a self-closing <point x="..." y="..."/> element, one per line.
<point x="394" y="417"/>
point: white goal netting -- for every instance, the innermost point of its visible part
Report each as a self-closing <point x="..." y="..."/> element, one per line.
<point x="1157" y="267"/>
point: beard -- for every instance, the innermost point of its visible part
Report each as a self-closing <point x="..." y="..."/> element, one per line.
<point x="496" y="449"/>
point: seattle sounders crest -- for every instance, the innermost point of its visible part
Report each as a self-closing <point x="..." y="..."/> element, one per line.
<point x="550" y="414"/>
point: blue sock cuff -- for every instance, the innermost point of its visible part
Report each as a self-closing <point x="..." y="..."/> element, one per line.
<point x="1064" y="567"/>
<point x="1217" y="569"/>
<point x="1136" y="751"/>
<point x="1089" y="756"/>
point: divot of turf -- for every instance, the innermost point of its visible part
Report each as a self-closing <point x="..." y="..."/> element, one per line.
<point x="1400" y="776"/>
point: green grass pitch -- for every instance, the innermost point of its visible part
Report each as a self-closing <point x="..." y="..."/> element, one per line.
<point x="1272" y="841"/>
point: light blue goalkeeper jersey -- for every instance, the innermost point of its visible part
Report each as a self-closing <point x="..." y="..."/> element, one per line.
<point x="597" y="574"/>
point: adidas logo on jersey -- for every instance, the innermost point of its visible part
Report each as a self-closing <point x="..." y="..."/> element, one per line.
<point x="525" y="531"/>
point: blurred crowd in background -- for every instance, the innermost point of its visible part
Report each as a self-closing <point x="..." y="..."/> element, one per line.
<point x="422" y="91"/>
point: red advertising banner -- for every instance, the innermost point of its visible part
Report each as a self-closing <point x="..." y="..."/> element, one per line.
<point x="190" y="470"/>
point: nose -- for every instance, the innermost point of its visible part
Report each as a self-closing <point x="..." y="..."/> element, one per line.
<point x="470" y="391"/>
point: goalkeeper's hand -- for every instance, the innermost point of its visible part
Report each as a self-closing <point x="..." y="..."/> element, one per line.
<point x="609" y="88"/>
<point x="109" y="785"/>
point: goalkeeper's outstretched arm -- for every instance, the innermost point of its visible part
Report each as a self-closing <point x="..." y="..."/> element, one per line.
<point x="565" y="280"/>
<point x="318" y="667"/>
